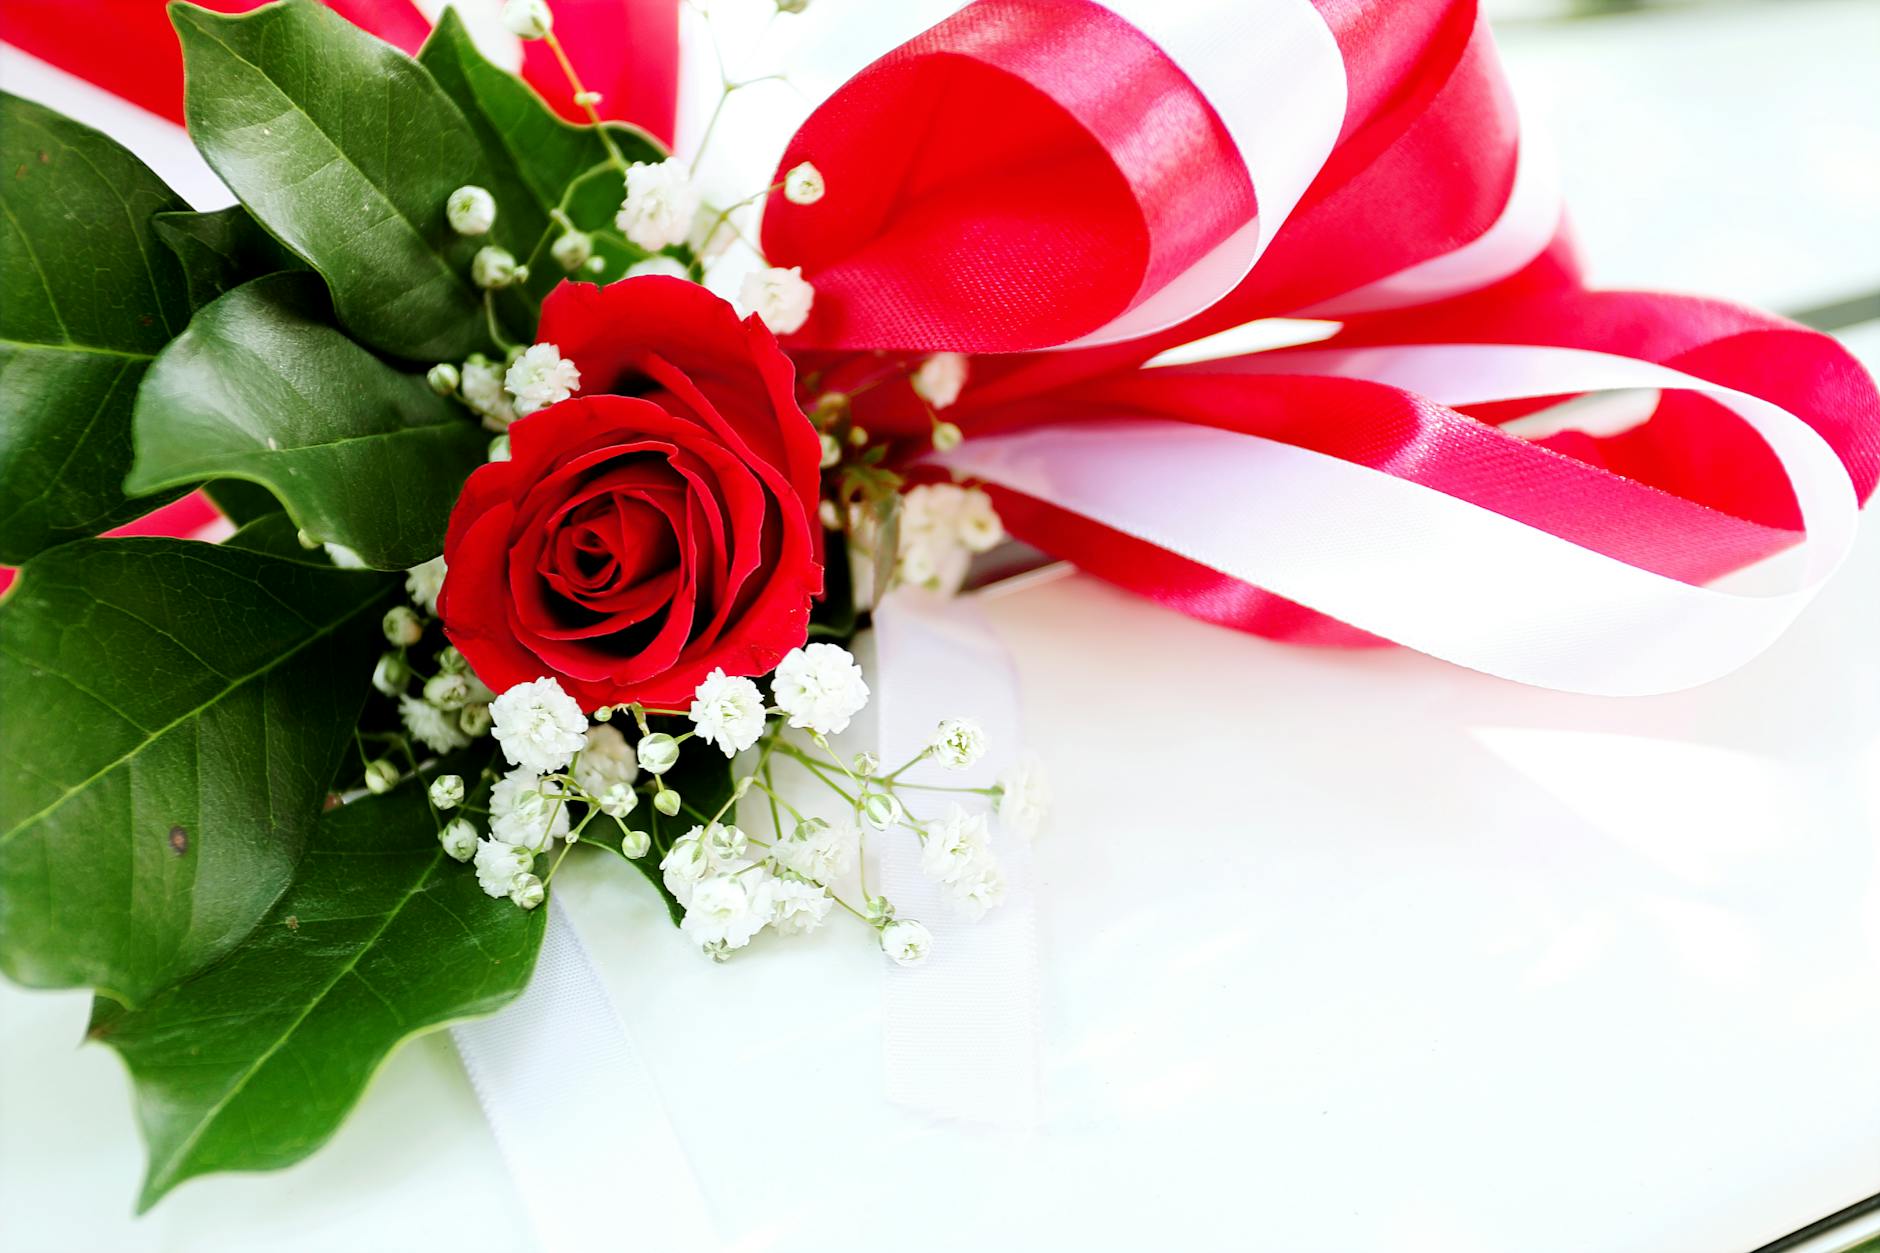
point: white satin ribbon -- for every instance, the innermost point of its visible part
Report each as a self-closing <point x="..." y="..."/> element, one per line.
<point x="960" y="1032"/>
<point x="578" y="1116"/>
<point x="1273" y="73"/>
<point x="1412" y="564"/>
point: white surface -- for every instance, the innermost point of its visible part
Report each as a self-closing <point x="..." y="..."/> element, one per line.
<point x="1410" y="960"/>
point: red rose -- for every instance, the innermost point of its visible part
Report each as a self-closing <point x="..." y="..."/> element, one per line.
<point x="659" y="524"/>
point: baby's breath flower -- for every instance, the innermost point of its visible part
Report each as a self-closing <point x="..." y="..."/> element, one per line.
<point x="792" y="906"/>
<point x="906" y="941"/>
<point x="606" y="760"/>
<point x="957" y="743"/>
<point x="658" y="753"/>
<point x="572" y="249"/>
<point x="667" y="802"/>
<point x="423" y="583"/>
<point x="447" y="791"/>
<point x="527" y="810"/>
<point x="381" y="776"/>
<point x="471" y="210"/>
<point x="459" y="839"/>
<point x="499" y="448"/>
<point x="528" y="19"/>
<point x="402" y="626"/>
<point x="430" y="725"/>
<point x="1024" y="797"/>
<point x="660" y="204"/>
<point x="617" y="800"/>
<point x="803" y="184"/>
<point x="728" y="712"/>
<point x="498" y="864"/>
<point x="527" y="891"/>
<point x="538" y="725"/>
<point x="636" y="844"/>
<point x="940" y="379"/>
<point x="448" y="690"/>
<point x="443" y="378"/>
<point x="391" y="674"/>
<point x="816" y="850"/>
<point x="820" y="687"/>
<point x="483" y="391"/>
<point x="882" y="810"/>
<point x="541" y="377"/>
<point x="493" y="267"/>
<point x="779" y="297"/>
<point x="725" y="912"/>
<point x="475" y="720"/>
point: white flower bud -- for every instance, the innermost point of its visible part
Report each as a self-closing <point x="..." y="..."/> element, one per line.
<point x="402" y="626"/>
<point x="779" y="297"/>
<point x="866" y="764"/>
<point x="667" y="802"/>
<point x="792" y="6"/>
<point x="572" y="250"/>
<point x="940" y="379"/>
<point x="617" y="800"/>
<point x="447" y="690"/>
<point x="471" y="210"/>
<point x="453" y="661"/>
<point x="459" y="839"/>
<point x="381" y="776"/>
<point x="528" y="892"/>
<point x="475" y="720"/>
<point x="878" y="909"/>
<point x="391" y="674"/>
<point x="527" y="19"/>
<point x="831" y="450"/>
<point x="587" y="99"/>
<point x="858" y="436"/>
<point x="499" y="448"/>
<point x="447" y="792"/>
<point x="725" y="843"/>
<point x="946" y="436"/>
<point x="906" y="941"/>
<point x="804" y="184"/>
<point x="829" y="515"/>
<point x="881" y="810"/>
<point x="658" y="753"/>
<point x="493" y="267"/>
<point x="636" y="844"/>
<point x="443" y="377"/>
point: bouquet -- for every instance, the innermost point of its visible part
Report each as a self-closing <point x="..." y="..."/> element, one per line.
<point x="542" y="548"/>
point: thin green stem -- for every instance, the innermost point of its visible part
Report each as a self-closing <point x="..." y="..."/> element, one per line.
<point x="583" y="98"/>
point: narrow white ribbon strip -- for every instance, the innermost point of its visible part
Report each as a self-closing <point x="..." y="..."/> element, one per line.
<point x="1414" y="565"/>
<point x="1273" y="73"/>
<point x="960" y="1032"/>
<point x="577" y="1115"/>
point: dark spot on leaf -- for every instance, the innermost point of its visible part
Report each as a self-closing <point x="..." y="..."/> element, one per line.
<point x="179" y="841"/>
<point x="145" y="320"/>
<point x="43" y="158"/>
<point x="332" y="800"/>
<point x="292" y="922"/>
<point x="19" y="171"/>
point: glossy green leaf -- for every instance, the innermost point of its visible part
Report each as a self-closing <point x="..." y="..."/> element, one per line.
<point x="173" y="712"/>
<point x="239" y="501"/>
<point x="262" y="387"/>
<point x="253" y="1064"/>
<point x="276" y="535"/>
<point x="87" y="298"/>
<point x="346" y="150"/>
<point x="221" y="250"/>
<point x="537" y="160"/>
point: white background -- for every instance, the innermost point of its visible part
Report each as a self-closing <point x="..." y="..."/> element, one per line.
<point x="1342" y="951"/>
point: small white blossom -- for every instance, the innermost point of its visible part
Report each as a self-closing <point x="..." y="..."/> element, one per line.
<point x="947" y="437"/>
<point x="658" y="752"/>
<point x="804" y="184"/>
<point x="431" y="726"/>
<point x="471" y="210"/>
<point x="792" y="906"/>
<point x="728" y="712"/>
<point x="572" y="249"/>
<point x="447" y="791"/>
<point x="381" y="776"/>
<point x="443" y="378"/>
<point x="527" y="891"/>
<point x="475" y="720"/>
<point x="494" y="267"/>
<point x="402" y="627"/>
<point x="727" y="910"/>
<point x="606" y="760"/>
<point x="725" y="843"/>
<point x="779" y="297"/>
<point x="906" y="941"/>
<point x="955" y="848"/>
<point x="459" y="839"/>
<point x="391" y="674"/>
<point x="484" y="392"/>
<point x="957" y="743"/>
<point x="539" y="725"/>
<point x="881" y="809"/>
<point x="977" y="896"/>
<point x="977" y="523"/>
<point x="660" y="205"/>
<point x="617" y="800"/>
<point x="816" y="850"/>
<point x="499" y="864"/>
<point x="667" y="802"/>
<point x="340" y="555"/>
<point x="684" y="864"/>
<point x="424" y="582"/>
<point x="541" y="377"/>
<point x="940" y="379"/>
<point x="448" y="690"/>
<point x="528" y="19"/>
<point x="527" y="810"/>
<point x="636" y="844"/>
<point x="942" y="526"/>
<point x="831" y="456"/>
<point x="820" y="687"/>
<point x="1024" y="797"/>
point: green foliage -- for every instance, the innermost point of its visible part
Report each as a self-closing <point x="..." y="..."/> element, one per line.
<point x="253" y="1064"/>
<point x="345" y="149"/>
<point x="88" y="296"/>
<point x="221" y="250"/>
<point x="262" y="387"/>
<point x="175" y="711"/>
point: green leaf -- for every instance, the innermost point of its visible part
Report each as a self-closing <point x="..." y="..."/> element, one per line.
<point x="173" y="713"/>
<point x="87" y="298"/>
<point x="275" y="535"/>
<point x="254" y="1063"/>
<point x="221" y="250"/>
<point x="536" y="158"/>
<point x="241" y="502"/>
<point x="346" y="150"/>
<point x="261" y="387"/>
